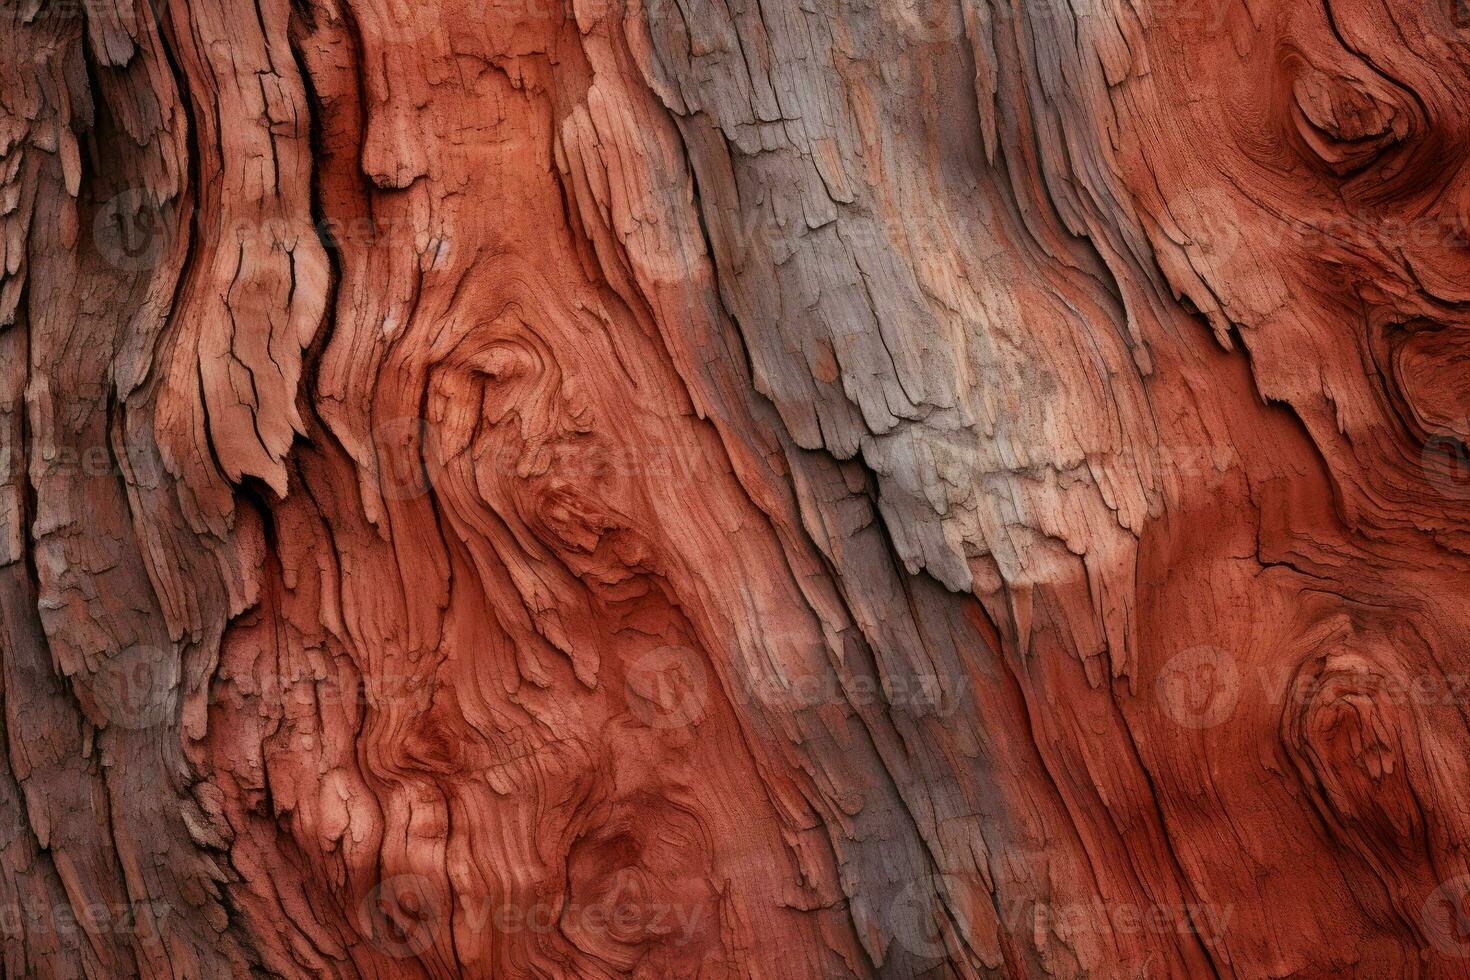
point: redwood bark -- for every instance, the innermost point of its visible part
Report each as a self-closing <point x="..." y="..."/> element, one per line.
<point x="774" y="488"/>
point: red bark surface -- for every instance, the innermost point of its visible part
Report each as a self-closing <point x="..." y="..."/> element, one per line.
<point x="772" y="489"/>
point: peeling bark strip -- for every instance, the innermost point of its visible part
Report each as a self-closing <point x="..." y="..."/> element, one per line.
<point x="793" y="488"/>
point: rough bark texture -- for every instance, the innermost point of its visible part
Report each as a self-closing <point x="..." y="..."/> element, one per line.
<point x="750" y="488"/>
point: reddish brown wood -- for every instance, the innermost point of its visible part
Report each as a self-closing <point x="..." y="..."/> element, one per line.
<point x="777" y="489"/>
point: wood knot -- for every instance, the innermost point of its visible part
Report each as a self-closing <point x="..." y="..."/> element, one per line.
<point x="435" y="741"/>
<point x="1428" y="362"/>
<point x="639" y="889"/>
<point x="1343" y="123"/>
<point x="1343" y="727"/>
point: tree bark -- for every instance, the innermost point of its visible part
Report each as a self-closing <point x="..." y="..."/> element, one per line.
<point x="778" y="488"/>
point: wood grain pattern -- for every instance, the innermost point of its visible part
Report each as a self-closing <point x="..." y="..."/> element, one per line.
<point x="770" y="489"/>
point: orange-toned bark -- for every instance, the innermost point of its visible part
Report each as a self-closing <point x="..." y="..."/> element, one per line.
<point x="788" y="489"/>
